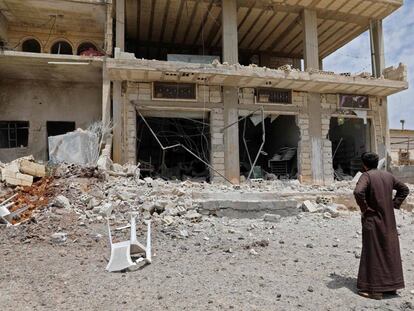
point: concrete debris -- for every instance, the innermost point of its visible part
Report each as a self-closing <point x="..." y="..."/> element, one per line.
<point x="33" y="169"/>
<point x="323" y="200"/>
<point x="271" y="217"/>
<point x="22" y="171"/>
<point x="310" y="207"/>
<point x="59" y="237"/>
<point x="62" y="202"/>
<point x="104" y="209"/>
<point x="78" y="147"/>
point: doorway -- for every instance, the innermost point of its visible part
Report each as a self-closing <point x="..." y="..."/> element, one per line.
<point x="350" y="138"/>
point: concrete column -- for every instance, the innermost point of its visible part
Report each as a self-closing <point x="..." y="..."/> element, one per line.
<point x="118" y="124"/>
<point x="230" y="38"/>
<point x="230" y="94"/>
<point x="377" y="48"/>
<point x="117" y="105"/>
<point x="378" y="66"/>
<point x="120" y="24"/>
<point x="312" y="61"/>
<point x="106" y="97"/>
<point x="109" y="29"/>
<point x="310" y="39"/>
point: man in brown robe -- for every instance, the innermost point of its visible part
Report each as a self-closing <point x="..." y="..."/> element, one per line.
<point x="380" y="269"/>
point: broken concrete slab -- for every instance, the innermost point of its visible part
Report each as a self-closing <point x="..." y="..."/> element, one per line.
<point x="78" y="147"/>
<point x="32" y="168"/>
<point x="248" y="209"/>
<point x="309" y="207"/>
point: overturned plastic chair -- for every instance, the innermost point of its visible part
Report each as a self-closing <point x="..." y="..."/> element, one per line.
<point x="137" y="247"/>
<point x="120" y="254"/>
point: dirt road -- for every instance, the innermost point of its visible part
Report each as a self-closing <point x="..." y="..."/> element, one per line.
<point x="301" y="263"/>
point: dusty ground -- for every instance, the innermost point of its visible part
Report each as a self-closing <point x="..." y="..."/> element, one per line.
<point x="310" y="263"/>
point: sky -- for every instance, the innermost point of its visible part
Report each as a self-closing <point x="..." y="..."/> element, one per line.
<point x="399" y="48"/>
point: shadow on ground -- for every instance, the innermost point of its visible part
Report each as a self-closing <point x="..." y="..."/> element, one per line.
<point x="339" y="281"/>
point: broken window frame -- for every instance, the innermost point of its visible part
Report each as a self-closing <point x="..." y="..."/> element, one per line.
<point x="153" y="96"/>
<point x="340" y="107"/>
<point x="289" y="93"/>
<point x="15" y="126"/>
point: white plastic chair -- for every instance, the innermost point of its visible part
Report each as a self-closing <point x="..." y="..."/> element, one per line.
<point x="120" y="254"/>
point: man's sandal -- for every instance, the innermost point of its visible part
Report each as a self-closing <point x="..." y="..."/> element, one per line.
<point x="371" y="295"/>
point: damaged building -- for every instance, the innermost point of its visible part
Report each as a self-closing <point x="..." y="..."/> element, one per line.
<point x="204" y="89"/>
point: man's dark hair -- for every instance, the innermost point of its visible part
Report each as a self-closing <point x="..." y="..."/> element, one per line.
<point x="370" y="160"/>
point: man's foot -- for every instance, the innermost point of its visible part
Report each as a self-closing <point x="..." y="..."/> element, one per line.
<point x="370" y="295"/>
<point x="391" y="293"/>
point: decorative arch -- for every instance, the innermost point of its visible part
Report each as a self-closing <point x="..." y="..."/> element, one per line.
<point x="61" y="46"/>
<point x="31" y="45"/>
<point x="85" y="46"/>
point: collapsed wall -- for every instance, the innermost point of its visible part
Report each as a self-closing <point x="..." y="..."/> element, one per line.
<point x="138" y="96"/>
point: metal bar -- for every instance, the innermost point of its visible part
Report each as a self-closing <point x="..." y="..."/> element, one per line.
<point x="241" y="119"/>
<point x="337" y="147"/>
<point x="9" y="199"/>
<point x="182" y="146"/>
<point x="261" y="146"/>
<point x="245" y="144"/>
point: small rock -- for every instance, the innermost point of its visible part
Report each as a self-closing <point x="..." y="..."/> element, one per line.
<point x="178" y="192"/>
<point x="62" y="202"/>
<point x="327" y="215"/>
<point x="184" y="233"/>
<point x="104" y="209"/>
<point x="309" y="207"/>
<point x="193" y="216"/>
<point x="271" y="218"/>
<point x="253" y="252"/>
<point x="168" y="220"/>
<point x="93" y="202"/>
<point x="310" y="289"/>
<point x="332" y="210"/>
<point x="406" y="305"/>
<point x="309" y="245"/>
<point x="148" y="181"/>
<point x="59" y="237"/>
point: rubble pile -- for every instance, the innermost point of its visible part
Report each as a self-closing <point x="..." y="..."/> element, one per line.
<point x="325" y="206"/>
<point x="96" y="193"/>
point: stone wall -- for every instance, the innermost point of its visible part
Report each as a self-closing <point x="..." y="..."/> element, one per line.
<point x="42" y="101"/>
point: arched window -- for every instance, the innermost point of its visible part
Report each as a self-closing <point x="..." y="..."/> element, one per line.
<point x="61" y="47"/>
<point x="85" y="47"/>
<point x="31" y="45"/>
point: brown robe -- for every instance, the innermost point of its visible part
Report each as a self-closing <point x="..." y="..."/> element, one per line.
<point x="380" y="268"/>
